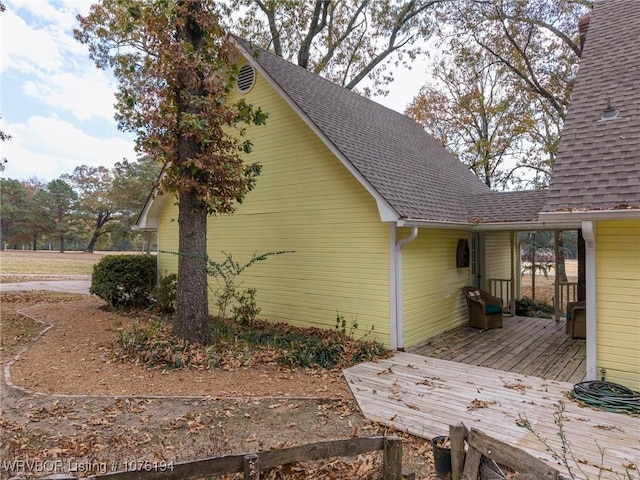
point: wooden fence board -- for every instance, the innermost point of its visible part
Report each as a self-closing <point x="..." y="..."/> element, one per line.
<point x="250" y="464"/>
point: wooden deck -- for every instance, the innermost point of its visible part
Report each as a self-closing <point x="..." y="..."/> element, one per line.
<point x="530" y="346"/>
<point x="425" y="395"/>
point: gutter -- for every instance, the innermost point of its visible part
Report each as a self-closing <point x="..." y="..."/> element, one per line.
<point x="397" y="324"/>
<point x="587" y="215"/>
<point x="552" y="224"/>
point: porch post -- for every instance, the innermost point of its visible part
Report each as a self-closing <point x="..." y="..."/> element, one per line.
<point x="512" y="286"/>
<point x="556" y="284"/>
<point x="589" y="234"/>
<point x="393" y="320"/>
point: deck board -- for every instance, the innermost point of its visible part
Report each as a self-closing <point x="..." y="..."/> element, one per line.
<point x="533" y="346"/>
<point x="424" y="396"/>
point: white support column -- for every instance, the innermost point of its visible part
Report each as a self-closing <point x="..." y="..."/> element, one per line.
<point x="512" y="283"/>
<point x="393" y="331"/>
<point x="589" y="234"/>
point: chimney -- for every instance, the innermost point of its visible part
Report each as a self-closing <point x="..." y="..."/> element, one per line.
<point x="583" y="27"/>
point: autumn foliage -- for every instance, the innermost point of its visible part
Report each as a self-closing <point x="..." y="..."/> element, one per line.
<point x="176" y="68"/>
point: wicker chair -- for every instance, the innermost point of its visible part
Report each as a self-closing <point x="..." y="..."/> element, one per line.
<point x="485" y="310"/>
<point x="577" y="319"/>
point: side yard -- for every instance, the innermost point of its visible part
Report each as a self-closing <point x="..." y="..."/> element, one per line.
<point x="68" y="402"/>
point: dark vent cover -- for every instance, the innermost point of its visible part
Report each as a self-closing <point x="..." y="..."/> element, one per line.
<point x="246" y="78"/>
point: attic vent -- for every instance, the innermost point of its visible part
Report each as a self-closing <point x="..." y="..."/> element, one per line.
<point x="609" y="113"/>
<point x="246" y="78"/>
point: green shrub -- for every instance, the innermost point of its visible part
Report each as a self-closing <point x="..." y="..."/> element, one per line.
<point x="165" y="293"/>
<point x="124" y="281"/>
<point x="243" y="304"/>
<point x="526" y="307"/>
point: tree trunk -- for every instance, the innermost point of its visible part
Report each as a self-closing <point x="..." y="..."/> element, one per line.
<point x="561" y="271"/>
<point x="102" y="219"/>
<point x="93" y="241"/>
<point x="35" y="242"/>
<point x="533" y="279"/>
<point x="192" y="306"/>
<point x="62" y="243"/>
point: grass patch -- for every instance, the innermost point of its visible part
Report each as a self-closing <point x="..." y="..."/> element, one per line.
<point x="42" y="262"/>
<point x="238" y="345"/>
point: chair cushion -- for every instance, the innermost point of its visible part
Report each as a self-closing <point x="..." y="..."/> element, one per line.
<point x="475" y="294"/>
<point x="568" y="315"/>
<point x="491" y="309"/>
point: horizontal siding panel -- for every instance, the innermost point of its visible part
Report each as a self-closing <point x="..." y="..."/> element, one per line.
<point x="617" y="341"/>
<point x="498" y="256"/>
<point x="306" y="201"/>
<point x="618" y="291"/>
<point x="620" y="359"/>
<point x="623" y="308"/>
<point x="432" y="284"/>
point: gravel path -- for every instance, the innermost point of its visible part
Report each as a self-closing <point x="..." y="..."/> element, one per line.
<point x="67" y="286"/>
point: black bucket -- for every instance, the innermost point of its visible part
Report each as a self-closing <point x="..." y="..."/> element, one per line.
<point x="441" y="457"/>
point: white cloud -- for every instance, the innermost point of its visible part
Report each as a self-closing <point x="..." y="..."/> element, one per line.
<point x="53" y="68"/>
<point x="87" y="96"/>
<point x="48" y="147"/>
<point x="56" y="68"/>
<point x="28" y="49"/>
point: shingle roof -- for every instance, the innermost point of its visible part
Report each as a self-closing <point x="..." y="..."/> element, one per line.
<point x="501" y="207"/>
<point x="598" y="164"/>
<point x="403" y="163"/>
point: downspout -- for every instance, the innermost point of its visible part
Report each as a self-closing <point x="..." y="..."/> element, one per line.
<point x="399" y="304"/>
<point x="589" y="235"/>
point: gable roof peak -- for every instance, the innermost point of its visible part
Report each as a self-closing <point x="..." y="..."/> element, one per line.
<point x="397" y="158"/>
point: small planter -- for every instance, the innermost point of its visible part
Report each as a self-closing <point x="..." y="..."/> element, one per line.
<point x="442" y="456"/>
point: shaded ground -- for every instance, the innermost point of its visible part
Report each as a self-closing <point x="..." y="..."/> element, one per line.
<point x="245" y="410"/>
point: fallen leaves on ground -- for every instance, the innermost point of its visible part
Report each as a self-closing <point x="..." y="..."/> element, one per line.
<point x="476" y="404"/>
<point x="518" y="386"/>
<point x="100" y="434"/>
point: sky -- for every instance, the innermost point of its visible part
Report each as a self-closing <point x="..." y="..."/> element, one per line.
<point x="58" y="106"/>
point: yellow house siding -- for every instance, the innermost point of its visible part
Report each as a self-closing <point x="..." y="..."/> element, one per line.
<point x="306" y="201"/>
<point x="498" y="256"/>
<point x="432" y="298"/>
<point x="618" y="301"/>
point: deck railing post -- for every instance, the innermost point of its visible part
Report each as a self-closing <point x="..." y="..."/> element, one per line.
<point x="392" y="459"/>
<point x="251" y="467"/>
<point x="457" y="436"/>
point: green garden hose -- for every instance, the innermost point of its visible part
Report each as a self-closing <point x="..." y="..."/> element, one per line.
<point x="607" y="396"/>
